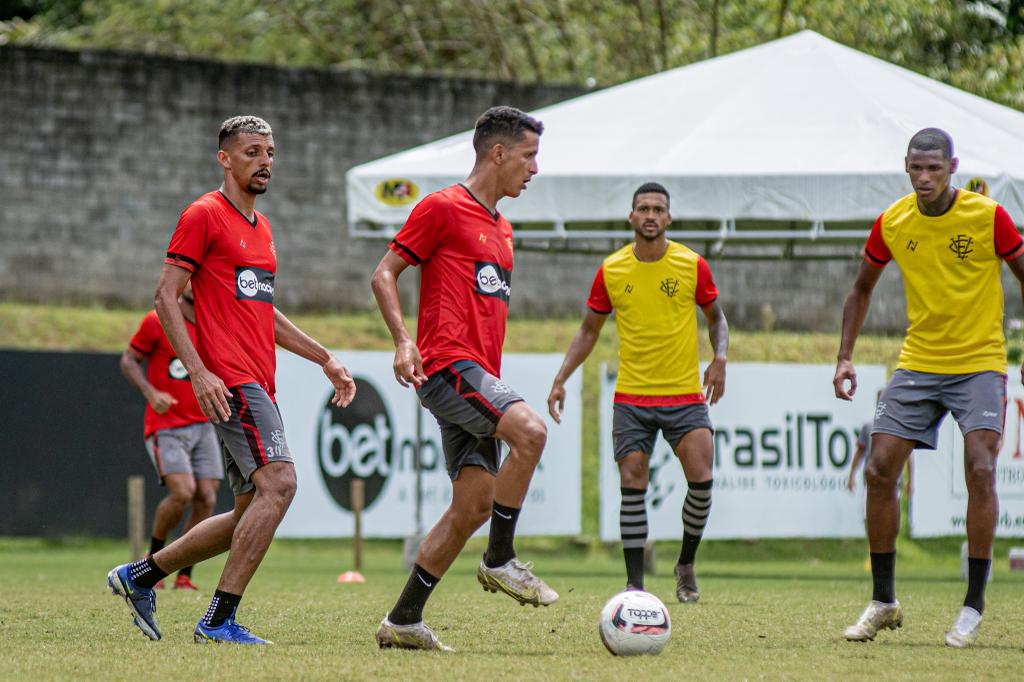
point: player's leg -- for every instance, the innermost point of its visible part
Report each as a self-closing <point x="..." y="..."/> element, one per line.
<point x="633" y="434"/>
<point x="908" y="415"/>
<point x="633" y="479"/>
<point x="978" y="403"/>
<point x="524" y="431"/>
<point x="472" y="494"/>
<point x="254" y="435"/>
<point x="472" y="464"/>
<point x="208" y="469"/>
<point x="169" y="451"/>
<point x="689" y="428"/>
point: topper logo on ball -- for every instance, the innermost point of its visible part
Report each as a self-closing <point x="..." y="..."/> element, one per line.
<point x="355" y="442"/>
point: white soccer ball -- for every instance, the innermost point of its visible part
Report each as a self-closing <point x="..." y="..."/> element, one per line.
<point x="635" y="623"/>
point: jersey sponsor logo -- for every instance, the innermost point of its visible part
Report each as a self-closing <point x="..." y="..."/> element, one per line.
<point x="396" y="192"/>
<point x="176" y="370"/>
<point x="254" y="284"/>
<point x="355" y="443"/>
<point x="493" y="280"/>
<point x="962" y="245"/>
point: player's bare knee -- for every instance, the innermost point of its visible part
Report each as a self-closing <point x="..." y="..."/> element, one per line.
<point x="278" y="488"/>
<point x="633" y="475"/>
<point x="204" y="500"/>
<point x="878" y="478"/>
<point x="980" y="476"/>
<point x="533" y="436"/>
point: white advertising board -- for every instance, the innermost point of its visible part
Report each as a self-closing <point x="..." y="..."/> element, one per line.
<point x="939" y="503"/>
<point x="783" y="446"/>
<point x="373" y="439"/>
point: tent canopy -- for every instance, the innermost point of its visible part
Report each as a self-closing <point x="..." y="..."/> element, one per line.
<point x="798" y="129"/>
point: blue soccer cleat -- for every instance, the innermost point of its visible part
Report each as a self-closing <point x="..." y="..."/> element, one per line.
<point x="141" y="600"/>
<point x="229" y="632"/>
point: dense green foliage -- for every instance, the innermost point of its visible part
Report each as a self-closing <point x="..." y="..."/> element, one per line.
<point x="977" y="45"/>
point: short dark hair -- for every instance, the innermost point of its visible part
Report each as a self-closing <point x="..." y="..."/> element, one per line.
<point x="650" y="188"/>
<point x="504" y="125"/>
<point x="931" y="139"/>
<point x="236" y="125"/>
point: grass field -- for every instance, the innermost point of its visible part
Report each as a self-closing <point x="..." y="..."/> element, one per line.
<point x="768" y="610"/>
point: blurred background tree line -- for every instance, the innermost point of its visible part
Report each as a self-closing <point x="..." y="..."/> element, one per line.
<point x="976" y="45"/>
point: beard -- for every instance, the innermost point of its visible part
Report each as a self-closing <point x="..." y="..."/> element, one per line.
<point x="253" y="188"/>
<point x="649" y="238"/>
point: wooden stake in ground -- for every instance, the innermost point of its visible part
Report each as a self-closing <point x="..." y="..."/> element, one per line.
<point x="137" y="515"/>
<point x="358" y="497"/>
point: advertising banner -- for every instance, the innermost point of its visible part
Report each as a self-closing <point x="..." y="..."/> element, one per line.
<point x="374" y="440"/>
<point x="783" y="447"/>
<point x="939" y="503"/>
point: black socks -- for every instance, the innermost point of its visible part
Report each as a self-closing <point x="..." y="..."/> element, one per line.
<point x="503" y="530"/>
<point x="145" y="572"/>
<point x="222" y="607"/>
<point x="883" y="571"/>
<point x="977" y="577"/>
<point x="409" y="607"/>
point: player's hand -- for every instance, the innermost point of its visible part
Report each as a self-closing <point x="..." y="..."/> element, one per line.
<point x="850" y="484"/>
<point x="714" y="381"/>
<point x="556" y="402"/>
<point x="212" y="395"/>
<point x="844" y="373"/>
<point x="409" y="365"/>
<point x="161" y="401"/>
<point x="341" y="379"/>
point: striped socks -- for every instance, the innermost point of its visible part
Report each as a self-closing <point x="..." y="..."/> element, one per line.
<point x="696" y="508"/>
<point x="633" y="528"/>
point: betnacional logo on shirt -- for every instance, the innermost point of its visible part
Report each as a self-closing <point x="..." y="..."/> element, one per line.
<point x="396" y="192"/>
<point x="254" y="284"/>
<point x="493" y="280"/>
<point x="176" y="370"/>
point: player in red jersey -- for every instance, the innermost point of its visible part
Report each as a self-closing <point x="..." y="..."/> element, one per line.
<point x="465" y="249"/>
<point x="225" y="248"/>
<point x="179" y="438"/>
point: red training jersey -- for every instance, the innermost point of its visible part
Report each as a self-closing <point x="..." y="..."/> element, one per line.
<point x="233" y="264"/>
<point x="165" y="371"/>
<point x="466" y="254"/>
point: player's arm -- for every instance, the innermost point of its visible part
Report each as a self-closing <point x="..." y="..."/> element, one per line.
<point x="408" y="365"/>
<point x="858" y="455"/>
<point x="580" y="348"/>
<point x="131" y="368"/>
<point x="718" y="333"/>
<point x="291" y="338"/>
<point x="211" y="393"/>
<point x="855" y="309"/>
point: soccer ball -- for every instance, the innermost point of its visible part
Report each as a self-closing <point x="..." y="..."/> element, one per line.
<point x="634" y="623"/>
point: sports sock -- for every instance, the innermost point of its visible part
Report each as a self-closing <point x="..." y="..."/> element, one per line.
<point x="883" y="571"/>
<point x="155" y="545"/>
<point x="145" y="572"/>
<point x="977" y="577"/>
<point x="222" y="606"/>
<point x="503" y="530"/>
<point x="633" y="530"/>
<point x="409" y="607"/>
<point x="696" y="508"/>
<point x="187" y="572"/>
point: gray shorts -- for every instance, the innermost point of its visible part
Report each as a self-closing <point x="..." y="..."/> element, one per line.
<point x="252" y="437"/>
<point x="634" y="428"/>
<point x="467" y="403"/>
<point x="190" y="449"/>
<point x="913" y="404"/>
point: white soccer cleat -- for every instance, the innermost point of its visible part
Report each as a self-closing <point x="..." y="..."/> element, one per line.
<point x="517" y="581"/>
<point x="877" y="616"/>
<point x="412" y="636"/>
<point x="964" y="632"/>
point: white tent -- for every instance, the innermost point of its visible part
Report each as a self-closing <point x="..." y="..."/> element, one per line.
<point x="799" y="129"/>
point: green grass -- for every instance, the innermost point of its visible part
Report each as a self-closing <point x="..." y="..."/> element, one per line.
<point x="768" y="610"/>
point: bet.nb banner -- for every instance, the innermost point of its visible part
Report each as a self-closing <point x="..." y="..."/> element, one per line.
<point x="374" y="438"/>
<point x="938" y="505"/>
<point x="783" y="447"/>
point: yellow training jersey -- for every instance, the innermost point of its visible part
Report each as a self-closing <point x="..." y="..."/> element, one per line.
<point x="950" y="266"/>
<point x="655" y="308"/>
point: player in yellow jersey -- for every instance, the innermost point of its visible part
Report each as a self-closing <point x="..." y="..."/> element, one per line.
<point x="948" y="244"/>
<point x="655" y="286"/>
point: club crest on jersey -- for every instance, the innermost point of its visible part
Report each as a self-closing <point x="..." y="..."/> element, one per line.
<point x="961" y="245"/>
<point x="493" y="280"/>
<point x="254" y="284"/>
<point x="669" y="286"/>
